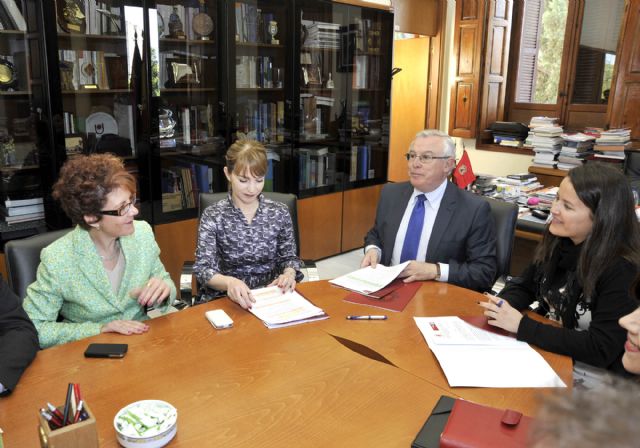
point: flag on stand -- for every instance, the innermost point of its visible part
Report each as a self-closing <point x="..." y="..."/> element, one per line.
<point x="463" y="174"/>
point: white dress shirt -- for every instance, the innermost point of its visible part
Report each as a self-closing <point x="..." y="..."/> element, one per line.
<point x="431" y="207"/>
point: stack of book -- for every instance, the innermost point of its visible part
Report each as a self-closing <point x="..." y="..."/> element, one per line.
<point x="537" y="122"/>
<point x="611" y="144"/>
<point x="22" y="210"/>
<point x="321" y="34"/>
<point x="515" y="185"/>
<point x="546" y="142"/>
<point x="576" y="148"/>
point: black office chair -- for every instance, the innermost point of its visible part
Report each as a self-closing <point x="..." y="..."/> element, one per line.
<point x="505" y="215"/>
<point x="22" y="258"/>
<point x="207" y="199"/>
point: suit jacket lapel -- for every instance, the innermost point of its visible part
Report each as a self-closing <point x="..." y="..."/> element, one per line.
<point x="443" y="220"/>
<point x="91" y="266"/>
<point x="396" y="212"/>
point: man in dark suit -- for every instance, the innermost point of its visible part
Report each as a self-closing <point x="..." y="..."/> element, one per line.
<point x="448" y="233"/>
<point x="18" y="339"/>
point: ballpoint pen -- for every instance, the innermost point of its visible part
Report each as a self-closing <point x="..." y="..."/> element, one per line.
<point x="366" y="317"/>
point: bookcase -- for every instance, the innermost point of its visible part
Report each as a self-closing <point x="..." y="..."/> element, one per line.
<point x="22" y="106"/>
<point x="341" y="130"/>
<point x="168" y="85"/>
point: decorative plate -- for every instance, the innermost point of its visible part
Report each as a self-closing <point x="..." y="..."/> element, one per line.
<point x="100" y="123"/>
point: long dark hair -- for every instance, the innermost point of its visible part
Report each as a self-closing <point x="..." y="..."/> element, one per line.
<point x="615" y="233"/>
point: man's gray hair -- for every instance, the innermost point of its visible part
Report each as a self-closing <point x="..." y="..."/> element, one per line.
<point x="449" y="145"/>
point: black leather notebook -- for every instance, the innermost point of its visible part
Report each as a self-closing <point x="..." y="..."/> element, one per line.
<point x="429" y="435"/>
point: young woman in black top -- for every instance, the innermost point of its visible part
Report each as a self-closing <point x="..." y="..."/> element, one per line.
<point x="581" y="274"/>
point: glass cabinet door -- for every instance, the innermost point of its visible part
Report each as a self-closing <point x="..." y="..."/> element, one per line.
<point x="102" y="81"/>
<point x="260" y="82"/>
<point x="188" y="135"/>
<point x="323" y="67"/>
<point x="21" y="112"/>
<point x="368" y="40"/>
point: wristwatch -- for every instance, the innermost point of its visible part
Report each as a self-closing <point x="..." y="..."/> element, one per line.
<point x="437" y="277"/>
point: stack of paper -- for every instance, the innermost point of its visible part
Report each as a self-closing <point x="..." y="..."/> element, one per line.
<point x="277" y="309"/>
<point x="369" y="280"/>
<point x="470" y="356"/>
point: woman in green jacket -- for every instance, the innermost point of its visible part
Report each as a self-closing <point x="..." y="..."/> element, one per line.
<point x="101" y="276"/>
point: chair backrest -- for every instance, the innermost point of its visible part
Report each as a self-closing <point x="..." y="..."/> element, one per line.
<point x="22" y="258"/>
<point x="290" y="200"/>
<point x="505" y="215"/>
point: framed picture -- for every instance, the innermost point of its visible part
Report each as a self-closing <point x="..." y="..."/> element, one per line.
<point x="314" y="75"/>
<point x="74" y="144"/>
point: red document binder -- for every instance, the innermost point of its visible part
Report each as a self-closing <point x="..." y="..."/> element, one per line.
<point x="394" y="297"/>
<point x="478" y="426"/>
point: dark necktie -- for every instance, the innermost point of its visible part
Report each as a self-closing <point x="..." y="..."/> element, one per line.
<point x="414" y="231"/>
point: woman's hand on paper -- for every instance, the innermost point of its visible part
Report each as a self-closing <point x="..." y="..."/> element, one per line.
<point x="125" y="327"/>
<point x="239" y="292"/>
<point x="501" y="314"/>
<point x="418" y="270"/>
<point x="285" y="281"/>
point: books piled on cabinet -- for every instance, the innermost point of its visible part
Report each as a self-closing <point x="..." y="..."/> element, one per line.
<point x="321" y="34"/>
<point x="546" y="142"/>
<point x="611" y="144"/>
<point x="576" y="149"/>
<point x="536" y="122"/>
<point x="317" y="167"/>
<point x="181" y="185"/>
<point x="22" y="210"/>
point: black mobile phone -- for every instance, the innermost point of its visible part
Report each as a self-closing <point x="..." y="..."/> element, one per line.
<point x="106" y="350"/>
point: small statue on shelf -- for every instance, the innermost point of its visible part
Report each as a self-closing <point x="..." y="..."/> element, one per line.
<point x="330" y="84"/>
<point x="176" y="30"/>
<point x="273" y="30"/>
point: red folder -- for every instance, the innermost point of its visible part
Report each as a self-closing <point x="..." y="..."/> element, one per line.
<point x="478" y="426"/>
<point x="394" y="297"/>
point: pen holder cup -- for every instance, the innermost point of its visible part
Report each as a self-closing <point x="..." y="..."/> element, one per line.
<point x="83" y="434"/>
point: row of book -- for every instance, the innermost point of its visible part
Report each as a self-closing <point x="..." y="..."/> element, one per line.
<point x="368" y="35"/>
<point x="256" y="72"/>
<point x="317" y="167"/>
<point x="262" y="121"/>
<point x="22" y="210"/>
<point x="253" y="25"/>
<point x="181" y="185"/>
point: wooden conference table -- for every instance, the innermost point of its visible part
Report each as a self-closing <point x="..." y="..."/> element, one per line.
<point x="316" y="384"/>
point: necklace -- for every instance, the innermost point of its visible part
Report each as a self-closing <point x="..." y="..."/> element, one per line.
<point x="112" y="256"/>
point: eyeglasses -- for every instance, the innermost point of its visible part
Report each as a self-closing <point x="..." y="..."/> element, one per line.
<point x="424" y="158"/>
<point x="121" y="211"/>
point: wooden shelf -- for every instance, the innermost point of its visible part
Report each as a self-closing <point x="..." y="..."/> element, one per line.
<point x="95" y="91"/>
<point x="506" y="149"/>
<point x="171" y="40"/>
<point x="258" y="45"/>
<point x="8" y="169"/>
<point x="259" y="89"/>
<point x="88" y="37"/>
<point x="187" y="89"/>
<point x="13" y="33"/>
<point x="16" y="93"/>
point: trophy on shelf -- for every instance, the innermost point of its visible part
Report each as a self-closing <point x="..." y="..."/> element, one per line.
<point x="66" y="75"/>
<point x="202" y="23"/>
<point x="8" y="75"/>
<point x="176" y="30"/>
<point x="71" y="17"/>
<point x="273" y="30"/>
<point x="330" y="84"/>
<point x="181" y="73"/>
<point x="166" y="123"/>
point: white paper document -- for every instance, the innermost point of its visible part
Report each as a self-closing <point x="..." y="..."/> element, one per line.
<point x="368" y="280"/>
<point x="472" y="357"/>
<point x="276" y="309"/>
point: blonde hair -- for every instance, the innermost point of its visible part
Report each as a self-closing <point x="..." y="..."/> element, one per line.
<point x="247" y="155"/>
